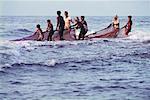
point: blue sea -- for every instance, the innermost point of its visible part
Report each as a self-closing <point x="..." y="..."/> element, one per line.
<point x="97" y="69"/>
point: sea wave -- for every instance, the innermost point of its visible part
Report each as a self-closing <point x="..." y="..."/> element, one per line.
<point x="23" y="30"/>
<point x="14" y="33"/>
<point x="139" y="35"/>
<point x="19" y="30"/>
<point x="41" y="53"/>
<point x="47" y="53"/>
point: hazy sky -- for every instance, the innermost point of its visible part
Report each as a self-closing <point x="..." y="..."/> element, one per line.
<point x="75" y="7"/>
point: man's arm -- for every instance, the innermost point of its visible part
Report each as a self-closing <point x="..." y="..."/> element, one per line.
<point x="57" y="23"/>
<point x="85" y="23"/>
<point x="35" y="31"/>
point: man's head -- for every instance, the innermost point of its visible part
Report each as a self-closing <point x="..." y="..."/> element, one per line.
<point x="38" y="26"/>
<point x="58" y="13"/>
<point x="116" y="17"/>
<point x="66" y="13"/>
<point x="129" y="17"/>
<point x="82" y="17"/>
<point x="48" y="21"/>
<point x="76" y="19"/>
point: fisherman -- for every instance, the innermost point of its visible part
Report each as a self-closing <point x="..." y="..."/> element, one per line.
<point x="39" y="33"/>
<point x="116" y="22"/>
<point x="67" y="21"/>
<point x="76" y="20"/>
<point x="50" y="30"/>
<point x="79" y="25"/>
<point x="128" y="26"/>
<point x="85" y="25"/>
<point x="60" y="24"/>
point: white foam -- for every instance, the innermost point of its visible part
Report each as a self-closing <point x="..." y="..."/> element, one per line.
<point x="77" y="32"/>
<point x="4" y="65"/>
<point x="139" y="35"/>
<point x="89" y="32"/>
<point x="51" y="62"/>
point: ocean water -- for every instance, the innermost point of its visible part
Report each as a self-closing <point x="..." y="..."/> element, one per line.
<point x="98" y="69"/>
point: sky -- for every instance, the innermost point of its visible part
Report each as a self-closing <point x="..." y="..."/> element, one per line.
<point x="75" y="7"/>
